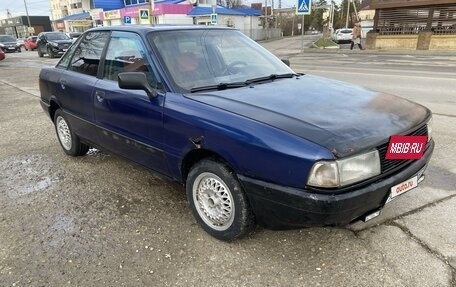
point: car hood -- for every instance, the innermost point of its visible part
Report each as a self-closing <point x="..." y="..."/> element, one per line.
<point x="8" y="43"/>
<point x="344" y="118"/>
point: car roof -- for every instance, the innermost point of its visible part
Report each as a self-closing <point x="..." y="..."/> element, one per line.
<point x="147" y="29"/>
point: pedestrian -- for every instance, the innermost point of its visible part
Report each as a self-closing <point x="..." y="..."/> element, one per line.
<point x="356" y="36"/>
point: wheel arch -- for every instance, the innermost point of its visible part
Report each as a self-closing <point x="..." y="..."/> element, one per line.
<point x="196" y="155"/>
<point x="54" y="106"/>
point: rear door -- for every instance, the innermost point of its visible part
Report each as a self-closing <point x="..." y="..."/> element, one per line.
<point x="131" y="122"/>
<point x="77" y="83"/>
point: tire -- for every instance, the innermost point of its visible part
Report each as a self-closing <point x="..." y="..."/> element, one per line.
<point x="40" y="54"/>
<point x="217" y="200"/>
<point x="50" y="52"/>
<point x="68" y="140"/>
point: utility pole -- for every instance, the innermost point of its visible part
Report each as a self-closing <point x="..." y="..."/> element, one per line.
<point x="152" y="8"/>
<point x="356" y="11"/>
<point x="26" y="11"/>
<point x="348" y="13"/>
<point x="28" y="19"/>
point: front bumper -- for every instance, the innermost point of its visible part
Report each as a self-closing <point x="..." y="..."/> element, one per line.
<point x="278" y="207"/>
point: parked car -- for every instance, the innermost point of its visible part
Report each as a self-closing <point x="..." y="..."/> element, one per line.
<point x="343" y="35"/>
<point x="8" y="44"/>
<point x="20" y="42"/>
<point x="53" y="43"/>
<point x="74" y="35"/>
<point x="251" y="140"/>
<point x="2" y="55"/>
<point x="30" y="43"/>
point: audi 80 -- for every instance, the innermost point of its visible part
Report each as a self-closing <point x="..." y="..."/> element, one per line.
<point x="251" y="140"/>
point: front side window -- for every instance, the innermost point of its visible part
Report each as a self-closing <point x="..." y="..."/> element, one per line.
<point x="126" y="53"/>
<point x="87" y="54"/>
<point x="200" y="57"/>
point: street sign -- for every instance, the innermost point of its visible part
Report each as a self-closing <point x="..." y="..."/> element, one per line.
<point x="213" y="19"/>
<point x="303" y="7"/>
<point x="127" y="20"/>
<point x="144" y="14"/>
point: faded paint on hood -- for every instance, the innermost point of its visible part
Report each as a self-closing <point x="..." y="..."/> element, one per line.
<point x="344" y="118"/>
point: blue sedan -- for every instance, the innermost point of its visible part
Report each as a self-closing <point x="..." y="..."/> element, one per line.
<point x="251" y="140"/>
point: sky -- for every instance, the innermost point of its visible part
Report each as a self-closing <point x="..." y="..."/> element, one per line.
<point x="43" y="7"/>
<point x="17" y="7"/>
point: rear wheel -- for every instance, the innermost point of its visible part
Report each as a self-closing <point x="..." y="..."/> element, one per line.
<point x="40" y="54"/>
<point x="69" y="141"/>
<point x="217" y="200"/>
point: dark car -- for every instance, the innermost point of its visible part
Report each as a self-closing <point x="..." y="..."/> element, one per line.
<point x="30" y="43"/>
<point x="53" y="43"/>
<point x="74" y="35"/>
<point x="9" y="44"/>
<point x="251" y="140"/>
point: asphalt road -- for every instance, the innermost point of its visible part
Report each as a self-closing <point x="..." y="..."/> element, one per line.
<point x="101" y="221"/>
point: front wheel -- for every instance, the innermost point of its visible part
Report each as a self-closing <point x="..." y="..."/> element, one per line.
<point x="69" y="141"/>
<point x="50" y="52"/>
<point x="217" y="200"/>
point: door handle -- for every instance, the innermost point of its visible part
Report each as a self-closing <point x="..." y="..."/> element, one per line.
<point x="100" y="95"/>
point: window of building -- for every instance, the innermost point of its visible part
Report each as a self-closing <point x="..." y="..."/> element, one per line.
<point x="135" y="2"/>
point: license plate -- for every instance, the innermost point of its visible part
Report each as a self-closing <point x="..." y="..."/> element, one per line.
<point x="405" y="186"/>
<point x="64" y="50"/>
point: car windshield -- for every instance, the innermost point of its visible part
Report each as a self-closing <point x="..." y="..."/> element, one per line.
<point x="346" y="31"/>
<point x="216" y="58"/>
<point x="57" y="36"/>
<point x="7" y="39"/>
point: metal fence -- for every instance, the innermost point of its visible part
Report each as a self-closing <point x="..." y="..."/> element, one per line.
<point x="439" y="19"/>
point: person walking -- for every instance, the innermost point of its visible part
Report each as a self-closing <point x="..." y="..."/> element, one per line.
<point x="356" y="36"/>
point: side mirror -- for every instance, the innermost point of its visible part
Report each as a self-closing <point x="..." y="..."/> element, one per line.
<point x="136" y="81"/>
<point x="286" y="62"/>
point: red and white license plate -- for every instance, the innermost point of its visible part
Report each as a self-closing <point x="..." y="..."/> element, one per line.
<point x="404" y="186"/>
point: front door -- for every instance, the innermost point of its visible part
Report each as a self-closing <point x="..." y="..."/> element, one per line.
<point x="131" y="122"/>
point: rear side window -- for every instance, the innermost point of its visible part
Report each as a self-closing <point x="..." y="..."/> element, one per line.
<point x="86" y="56"/>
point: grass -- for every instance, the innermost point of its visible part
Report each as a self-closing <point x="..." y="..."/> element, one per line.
<point x="325" y="43"/>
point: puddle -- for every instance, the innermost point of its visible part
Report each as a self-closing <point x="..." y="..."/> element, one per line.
<point x="25" y="175"/>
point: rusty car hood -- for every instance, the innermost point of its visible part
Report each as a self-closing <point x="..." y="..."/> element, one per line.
<point x="342" y="117"/>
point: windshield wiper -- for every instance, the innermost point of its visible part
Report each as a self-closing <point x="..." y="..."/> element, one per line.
<point x="220" y="86"/>
<point x="272" y="77"/>
<point x="224" y="86"/>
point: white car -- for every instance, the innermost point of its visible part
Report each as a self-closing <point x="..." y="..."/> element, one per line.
<point x="343" y="35"/>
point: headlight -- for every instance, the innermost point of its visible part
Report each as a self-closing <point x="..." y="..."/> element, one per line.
<point x="345" y="171"/>
<point x="1" y="45"/>
<point x="430" y="125"/>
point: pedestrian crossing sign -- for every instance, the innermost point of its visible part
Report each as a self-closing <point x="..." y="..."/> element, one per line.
<point x="303" y="7"/>
<point x="144" y="14"/>
<point x="214" y="19"/>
